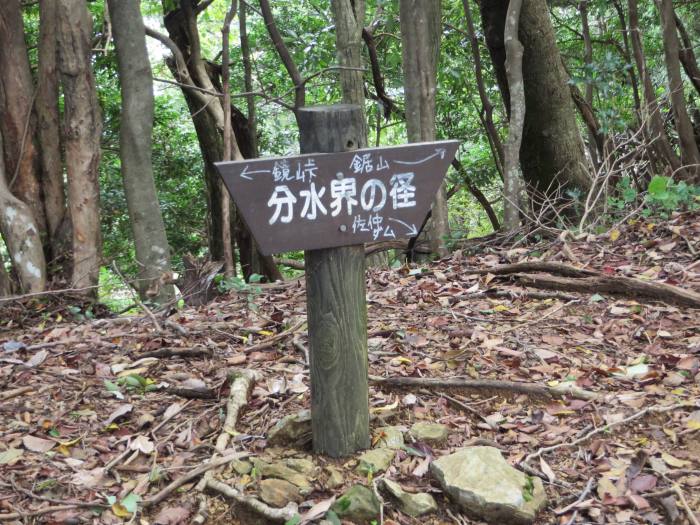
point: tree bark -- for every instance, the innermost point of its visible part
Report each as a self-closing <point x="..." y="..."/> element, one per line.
<point x="514" y="73"/>
<point x="651" y="113"/>
<point x="136" y="142"/>
<point x="628" y="53"/>
<point x="82" y="132"/>
<point x="18" y="228"/>
<point x="690" y="155"/>
<point x="49" y="132"/>
<point x="17" y="122"/>
<point x="687" y="56"/>
<point x="588" y="60"/>
<point x="486" y="105"/>
<point x="552" y="154"/>
<point x="420" y="50"/>
<point x="349" y="16"/>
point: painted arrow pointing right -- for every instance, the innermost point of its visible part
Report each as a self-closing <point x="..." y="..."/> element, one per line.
<point x="439" y="152"/>
<point x="412" y="230"/>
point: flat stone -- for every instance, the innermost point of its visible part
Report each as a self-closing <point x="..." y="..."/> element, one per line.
<point x="282" y="471"/>
<point x="335" y="478"/>
<point x="242" y="467"/>
<point x="485" y="486"/>
<point x="278" y="492"/>
<point x="358" y="504"/>
<point x="301" y="465"/>
<point x="430" y="432"/>
<point x="412" y="504"/>
<point x="375" y="460"/>
<point x="292" y="430"/>
<point x="389" y="437"/>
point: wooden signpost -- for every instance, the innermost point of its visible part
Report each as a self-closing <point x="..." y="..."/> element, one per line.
<point x="328" y="201"/>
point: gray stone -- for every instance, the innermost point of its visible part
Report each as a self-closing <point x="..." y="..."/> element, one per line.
<point x="301" y="465"/>
<point x="412" y="504"/>
<point x="358" y="504"/>
<point x="291" y="430"/>
<point x="429" y="432"/>
<point x="335" y="478"/>
<point x="278" y="492"/>
<point x="484" y="485"/>
<point x="282" y="471"/>
<point x="242" y="467"/>
<point x="375" y="460"/>
<point x="391" y="437"/>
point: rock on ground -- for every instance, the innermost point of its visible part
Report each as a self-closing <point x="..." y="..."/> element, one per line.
<point x="278" y="492"/>
<point x="429" y="432"/>
<point x="293" y="430"/>
<point x="412" y="504"/>
<point x="375" y="460"/>
<point x="358" y="504"/>
<point x="484" y="485"/>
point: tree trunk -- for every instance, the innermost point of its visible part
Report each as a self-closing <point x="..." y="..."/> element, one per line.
<point x="17" y="122"/>
<point x="628" y="53"/>
<point x="690" y="156"/>
<point x="514" y="73"/>
<point x="588" y="60"/>
<point x="651" y="113"/>
<point x="135" y="142"/>
<point x="552" y="154"/>
<point x="5" y="282"/>
<point x="18" y="228"/>
<point x="420" y="43"/>
<point x="486" y="106"/>
<point x="687" y="56"/>
<point x="49" y="132"/>
<point x="82" y="132"/>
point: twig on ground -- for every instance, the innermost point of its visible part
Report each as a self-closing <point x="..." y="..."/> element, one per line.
<point x="9" y="394"/>
<point x="531" y="389"/>
<point x="178" y="352"/>
<point x="136" y="297"/>
<point x="582" y="497"/>
<point x="270" y="341"/>
<point x="284" y="514"/>
<point x="195" y="473"/>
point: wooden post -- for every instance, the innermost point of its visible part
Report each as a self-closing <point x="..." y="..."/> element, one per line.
<point x="336" y="305"/>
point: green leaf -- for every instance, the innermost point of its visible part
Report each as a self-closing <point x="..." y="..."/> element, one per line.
<point x="295" y="520"/>
<point x="131" y="502"/>
<point x="657" y="185"/>
<point x="111" y="387"/>
<point x="333" y="517"/>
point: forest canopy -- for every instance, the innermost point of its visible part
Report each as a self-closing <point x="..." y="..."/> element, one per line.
<point x="113" y="113"/>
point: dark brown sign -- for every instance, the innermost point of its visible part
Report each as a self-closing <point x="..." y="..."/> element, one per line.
<point x="324" y="200"/>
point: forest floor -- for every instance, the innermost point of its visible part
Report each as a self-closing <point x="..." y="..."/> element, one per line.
<point x="98" y="416"/>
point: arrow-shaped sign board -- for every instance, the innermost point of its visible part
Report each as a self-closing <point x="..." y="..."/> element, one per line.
<point x="323" y="200"/>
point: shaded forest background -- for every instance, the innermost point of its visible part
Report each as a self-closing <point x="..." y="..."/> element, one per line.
<point x="589" y="115"/>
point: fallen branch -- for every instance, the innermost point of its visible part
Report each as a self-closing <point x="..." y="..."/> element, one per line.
<point x="195" y="473"/>
<point x="9" y="394"/>
<point x="192" y="393"/>
<point x="46" y="510"/>
<point x="531" y="389"/>
<point x="625" y="286"/>
<point x="284" y="514"/>
<point x="270" y="341"/>
<point x="178" y="352"/>
<point x="604" y="428"/>
<point x="564" y="270"/>
<point x="240" y="390"/>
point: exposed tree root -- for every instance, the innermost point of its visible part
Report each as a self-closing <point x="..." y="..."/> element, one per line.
<point x="530" y="389"/>
<point x="241" y="386"/>
<point x="572" y="279"/>
<point x="197" y="351"/>
<point x="273" y="514"/>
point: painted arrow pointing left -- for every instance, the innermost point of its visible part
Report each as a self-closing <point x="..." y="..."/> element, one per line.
<point x="244" y="174"/>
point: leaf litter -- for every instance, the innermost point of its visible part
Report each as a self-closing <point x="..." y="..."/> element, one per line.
<point x="99" y="415"/>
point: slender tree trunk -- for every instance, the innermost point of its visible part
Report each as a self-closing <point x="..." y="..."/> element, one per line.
<point x="49" y="132"/>
<point x="229" y="147"/>
<point x="17" y="122"/>
<point x="486" y="105"/>
<point x="18" y="228"/>
<point x="5" y="282"/>
<point x="687" y="56"/>
<point x="651" y="113"/>
<point x="690" y="156"/>
<point x="628" y="54"/>
<point x="248" y="79"/>
<point x="514" y="73"/>
<point x="552" y="154"/>
<point x="82" y="132"/>
<point x="588" y="60"/>
<point x="136" y="142"/>
<point x="420" y="38"/>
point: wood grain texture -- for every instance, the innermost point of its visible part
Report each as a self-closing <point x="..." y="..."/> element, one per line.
<point x="336" y="306"/>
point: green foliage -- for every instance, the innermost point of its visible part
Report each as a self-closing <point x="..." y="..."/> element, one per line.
<point x="663" y="195"/>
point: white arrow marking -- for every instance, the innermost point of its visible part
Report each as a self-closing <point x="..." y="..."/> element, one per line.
<point x="245" y="172"/>
<point x="412" y="230"/>
<point x="439" y="152"/>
